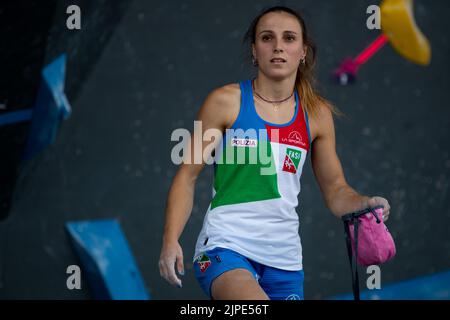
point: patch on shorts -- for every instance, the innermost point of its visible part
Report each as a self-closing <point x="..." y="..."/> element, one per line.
<point x="203" y="262"/>
<point x="293" y="297"/>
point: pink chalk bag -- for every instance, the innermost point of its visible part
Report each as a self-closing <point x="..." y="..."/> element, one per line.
<point x="368" y="241"/>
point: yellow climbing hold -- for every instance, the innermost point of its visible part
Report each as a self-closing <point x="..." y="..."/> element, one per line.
<point x="398" y="24"/>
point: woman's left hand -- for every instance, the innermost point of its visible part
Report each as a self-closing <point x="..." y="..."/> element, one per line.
<point x="376" y="201"/>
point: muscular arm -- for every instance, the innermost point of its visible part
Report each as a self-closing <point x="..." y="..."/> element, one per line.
<point x="214" y="114"/>
<point x="217" y="112"/>
<point x="339" y="197"/>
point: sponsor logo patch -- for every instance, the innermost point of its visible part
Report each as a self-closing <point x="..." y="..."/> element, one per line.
<point x="246" y="142"/>
<point x="291" y="160"/>
<point x="203" y="262"/>
<point x="294" y="138"/>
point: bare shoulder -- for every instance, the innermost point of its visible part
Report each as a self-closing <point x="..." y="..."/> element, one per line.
<point x="225" y="96"/>
<point x="222" y="104"/>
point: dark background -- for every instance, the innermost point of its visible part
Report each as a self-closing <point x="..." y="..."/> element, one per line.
<point x="139" y="69"/>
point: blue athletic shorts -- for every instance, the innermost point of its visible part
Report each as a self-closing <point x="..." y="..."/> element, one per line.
<point x="277" y="284"/>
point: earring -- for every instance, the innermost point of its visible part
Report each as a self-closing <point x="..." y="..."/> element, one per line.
<point x="254" y="61"/>
<point x="303" y="60"/>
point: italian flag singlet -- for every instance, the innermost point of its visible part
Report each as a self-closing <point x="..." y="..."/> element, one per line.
<point x="256" y="187"/>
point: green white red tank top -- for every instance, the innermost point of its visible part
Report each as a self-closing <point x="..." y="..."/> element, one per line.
<point x="257" y="172"/>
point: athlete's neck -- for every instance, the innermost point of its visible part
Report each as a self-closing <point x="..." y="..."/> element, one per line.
<point x="274" y="89"/>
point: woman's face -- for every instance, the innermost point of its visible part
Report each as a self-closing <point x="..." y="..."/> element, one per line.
<point x="278" y="44"/>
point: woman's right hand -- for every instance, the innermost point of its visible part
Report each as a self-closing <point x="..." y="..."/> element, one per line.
<point x="171" y="256"/>
<point x="219" y="111"/>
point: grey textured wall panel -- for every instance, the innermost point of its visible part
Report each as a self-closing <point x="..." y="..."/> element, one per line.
<point x="112" y="157"/>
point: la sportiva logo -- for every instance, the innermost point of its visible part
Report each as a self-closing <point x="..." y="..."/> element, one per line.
<point x="291" y="160"/>
<point x="294" y="138"/>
